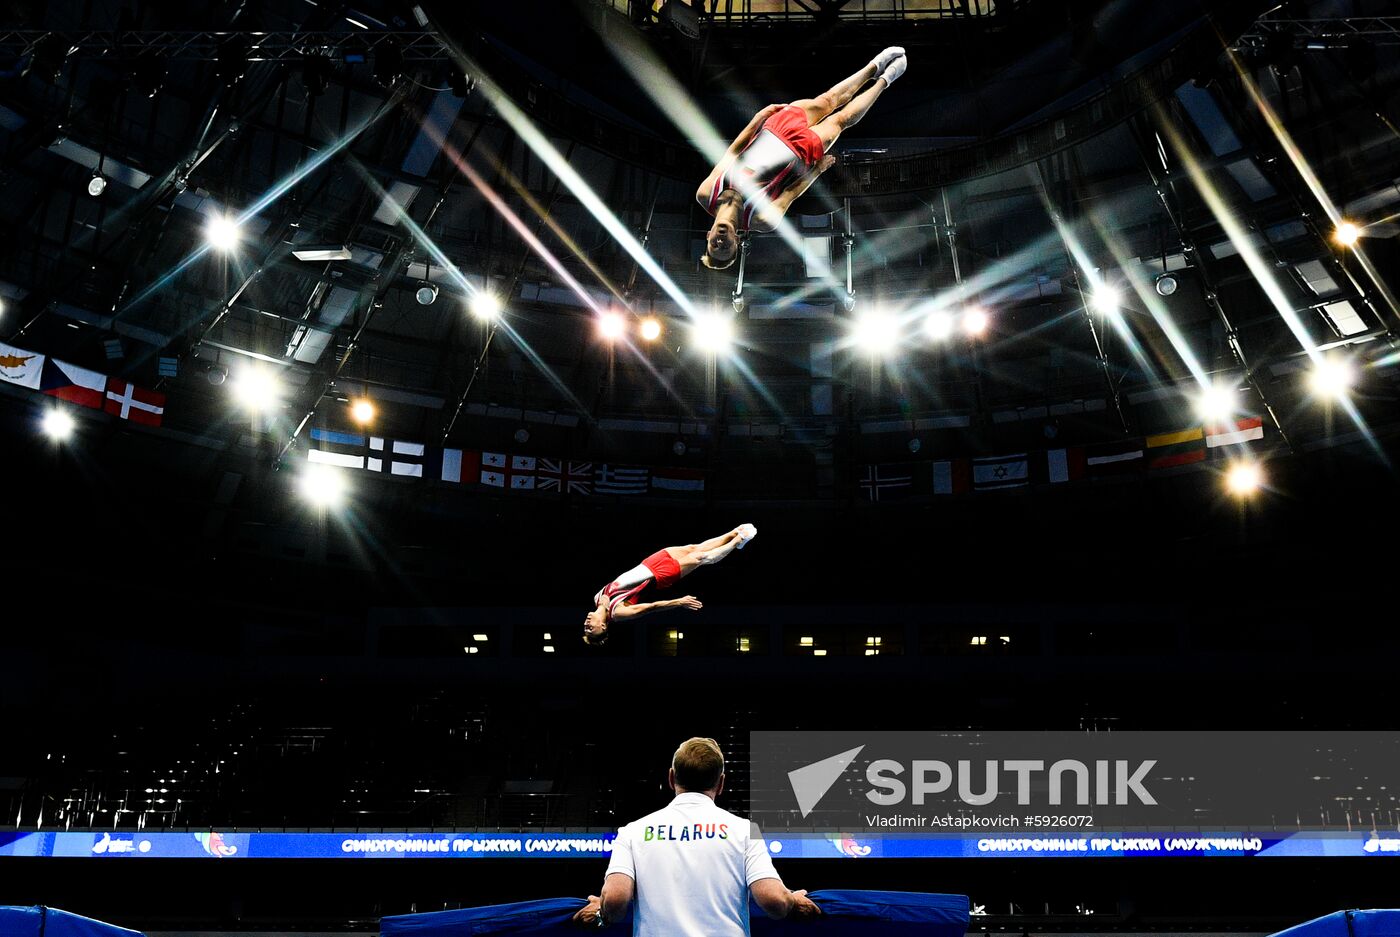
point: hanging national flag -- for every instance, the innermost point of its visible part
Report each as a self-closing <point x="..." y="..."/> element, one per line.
<point x="564" y="477"/>
<point x="620" y="479"/>
<point x="952" y="476"/>
<point x="74" y="384"/>
<point x="522" y="472"/>
<point x="1166" y="450"/>
<point x="678" y="479"/>
<point x="494" y="469"/>
<point x="1246" y="430"/>
<point x="1116" y="458"/>
<point x="456" y="465"/>
<point x="1065" y="465"/>
<point x="133" y="403"/>
<point x="1002" y="471"/>
<point x="396" y="456"/>
<point x="330" y="447"/>
<point x="21" y="367"/>
<point x="887" y="482"/>
<point x="501" y="470"/>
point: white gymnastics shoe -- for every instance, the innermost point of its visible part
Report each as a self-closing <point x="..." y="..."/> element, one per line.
<point x="746" y="533"/>
<point x="894" y="69"/>
<point x="882" y="61"/>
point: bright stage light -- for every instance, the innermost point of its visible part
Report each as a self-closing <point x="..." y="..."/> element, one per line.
<point x="96" y="185"/>
<point x="611" y="326"/>
<point x="362" y="410"/>
<point x="322" y="485"/>
<point x="939" y="324"/>
<point x="1217" y="403"/>
<point x="1244" y="478"/>
<point x="426" y="293"/>
<point x="222" y="233"/>
<point x="975" y="320"/>
<point x="1107" y="299"/>
<point x="485" y="305"/>
<point x="713" y="332"/>
<point x="1332" y="378"/>
<point x="257" y="389"/>
<point x="875" y="332"/>
<point x="1347" y="234"/>
<point x="58" y="424"/>
<point x="651" y="329"/>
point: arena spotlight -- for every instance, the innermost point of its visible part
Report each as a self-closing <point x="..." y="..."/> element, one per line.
<point x="426" y="293"/>
<point x="1244" y="479"/>
<point x="611" y="326"/>
<point x="96" y="185"/>
<point x="362" y="410"/>
<point x="322" y="485"/>
<point x="651" y="329"/>
<point x="1331" y="378"/>
<point x="1347" y="234"/>
<point x="257" y="389"/>
<point x="876" y="332"/>
<point x="1107" y="299"/>
<point x="975" y="320"/>
<point x="1217" y="403"/>
<point x="58" y="424"/>
<point x="939" y="325"/>
<point x="1165" y="284"/>
<point x="222" y="233"/>
<point x="713" y="332"/>
<point x="485" y="305"/>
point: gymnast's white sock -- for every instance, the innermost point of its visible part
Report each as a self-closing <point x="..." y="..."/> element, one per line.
<point x="894" y="69"/>
<point x="882" y="61"/>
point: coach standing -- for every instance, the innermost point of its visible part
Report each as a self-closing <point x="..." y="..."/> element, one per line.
<point x="691" y="866"/>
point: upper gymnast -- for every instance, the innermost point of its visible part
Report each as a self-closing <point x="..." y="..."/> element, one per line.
<point x="780" y="153"/>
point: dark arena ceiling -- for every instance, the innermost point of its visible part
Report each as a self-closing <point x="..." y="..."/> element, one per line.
<point x="1034" y="149"/>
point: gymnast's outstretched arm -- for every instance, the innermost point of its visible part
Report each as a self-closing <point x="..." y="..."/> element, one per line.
<point x="646" y="608"/>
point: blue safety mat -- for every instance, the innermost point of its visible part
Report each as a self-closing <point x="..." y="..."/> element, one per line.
<point x="1349" y="924"/>
<point x="844" y="914"/>
<point x="49" y="922"/>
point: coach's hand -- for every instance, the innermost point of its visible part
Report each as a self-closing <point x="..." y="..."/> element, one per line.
<point x="588" y="914"/>
<point x="803" y="908"/>
<point x="690" y="602"/>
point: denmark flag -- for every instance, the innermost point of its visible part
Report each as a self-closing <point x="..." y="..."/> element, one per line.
<point x="133" y="403"/>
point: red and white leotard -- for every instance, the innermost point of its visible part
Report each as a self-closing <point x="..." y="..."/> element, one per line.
<point x="660" y="568"/>
<point x="784" y="149"/>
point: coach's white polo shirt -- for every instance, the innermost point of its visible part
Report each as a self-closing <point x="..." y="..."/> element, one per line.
<point x="693" y="864"/>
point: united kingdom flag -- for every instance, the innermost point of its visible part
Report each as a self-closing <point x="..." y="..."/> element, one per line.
<point x="564" y="477"/>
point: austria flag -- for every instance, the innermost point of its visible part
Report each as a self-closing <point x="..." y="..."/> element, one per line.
<point x="73" y="384"/>
<point x="133" y="403"/>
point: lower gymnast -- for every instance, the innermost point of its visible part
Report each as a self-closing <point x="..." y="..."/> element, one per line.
<point x="663" y="569"/>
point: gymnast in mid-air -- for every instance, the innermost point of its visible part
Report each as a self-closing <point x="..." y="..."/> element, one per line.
<point x="781" y="152"/>
<point x="664" y="568"/>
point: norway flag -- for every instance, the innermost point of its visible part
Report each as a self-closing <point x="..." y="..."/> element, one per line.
<point x="73" y="384"/>
<point x="133" y="403"/>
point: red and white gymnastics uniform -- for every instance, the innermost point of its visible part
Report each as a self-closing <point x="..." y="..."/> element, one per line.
<point x="659" y="569"/>
<point x="782" y="150"/>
